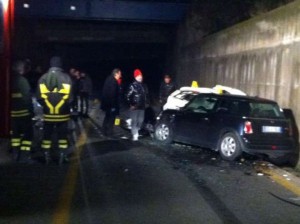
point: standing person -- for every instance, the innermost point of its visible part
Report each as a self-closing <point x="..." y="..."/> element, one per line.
<point x="21" y="114"/>
<point x="54" y="89"/>
<point x="138" y="100"/>
<point x="166" y="88"/>
<point x="75" y="76"/>
<point x="110" y="100"/>
<point x="32" y="75"/>
<point x="85" y="91"/>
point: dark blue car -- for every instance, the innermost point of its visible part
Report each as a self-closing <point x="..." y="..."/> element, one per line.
<point x="230" y="125"/>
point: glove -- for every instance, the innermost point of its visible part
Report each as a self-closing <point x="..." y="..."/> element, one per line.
<point x="132" y="107"/>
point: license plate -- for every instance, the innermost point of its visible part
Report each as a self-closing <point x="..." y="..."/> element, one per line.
<point x="271" y="129"/>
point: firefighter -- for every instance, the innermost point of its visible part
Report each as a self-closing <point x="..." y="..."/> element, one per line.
<point x="21" y="114"/>
<point x="54" y="91"/>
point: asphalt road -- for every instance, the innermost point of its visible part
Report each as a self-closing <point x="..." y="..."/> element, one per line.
<point x="120" y="181"/>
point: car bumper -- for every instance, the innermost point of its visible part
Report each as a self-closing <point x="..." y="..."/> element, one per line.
<point x="275" y="149"/>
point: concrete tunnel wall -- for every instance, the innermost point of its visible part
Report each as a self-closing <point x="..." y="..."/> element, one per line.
<point x="260" y="56"/>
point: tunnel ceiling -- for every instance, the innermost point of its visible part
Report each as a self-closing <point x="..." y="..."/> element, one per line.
<point x="114" y="10"/>
<point x="118" y="21"/>
<point x="77" y="31"/>
<point x="100" y="30"/>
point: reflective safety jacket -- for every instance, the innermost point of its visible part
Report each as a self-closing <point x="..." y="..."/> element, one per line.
<point x="21" y="103"/>
<point x="54" y="91"/>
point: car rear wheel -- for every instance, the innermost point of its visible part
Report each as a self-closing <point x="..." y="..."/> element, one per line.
<point x="163" y="133"/>
<point x="229" y="147"/>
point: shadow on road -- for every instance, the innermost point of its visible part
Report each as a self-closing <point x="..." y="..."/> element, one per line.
<point x="107" y="146"/>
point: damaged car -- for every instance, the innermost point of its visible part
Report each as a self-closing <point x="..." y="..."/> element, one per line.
<point x="182" y="96"/>
<point x="231" y="125"/>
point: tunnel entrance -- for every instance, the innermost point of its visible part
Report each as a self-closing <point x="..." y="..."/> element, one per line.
<point x="141" y="31"/>
<point x="97" y="47"/>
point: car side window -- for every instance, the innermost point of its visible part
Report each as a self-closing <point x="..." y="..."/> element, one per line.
<point x="228" y="107"/>
<point x="234" y="107"/>
<point x="202" y="104"/>
<point x="244" y="108"/>
<point x="185" y="95"/>
<point x="266" y="110"/>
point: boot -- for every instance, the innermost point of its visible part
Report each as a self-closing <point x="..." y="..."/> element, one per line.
<point x="47" y="158"/>
<point x="16" y="153"/>
<point x="62" y="158"/>
<point x="25" y="157"/>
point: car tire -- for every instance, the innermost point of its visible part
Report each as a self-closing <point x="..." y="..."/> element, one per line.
<point x="230" y="147"/>
<point x="163" y="132"/>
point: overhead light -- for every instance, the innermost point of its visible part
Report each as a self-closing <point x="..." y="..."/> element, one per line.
<point x="5" y="4"/>
<point x="73" y="7"/>
<point x="26" y="6"/>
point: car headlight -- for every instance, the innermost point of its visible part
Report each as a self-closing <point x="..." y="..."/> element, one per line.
<point x="159" y="116"/>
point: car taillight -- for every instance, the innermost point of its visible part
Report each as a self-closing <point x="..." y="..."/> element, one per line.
<point x="248" y="128"/>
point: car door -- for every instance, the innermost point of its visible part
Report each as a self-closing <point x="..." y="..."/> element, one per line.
<point x="192" y="123"/>
<point x="222" y="118"/>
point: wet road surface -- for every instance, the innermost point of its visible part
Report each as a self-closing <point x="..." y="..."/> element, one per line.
<point x="120" y="181"/>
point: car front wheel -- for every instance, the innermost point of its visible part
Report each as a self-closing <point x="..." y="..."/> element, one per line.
<point x="163" y="133"/>
<point x="229" y="147"/>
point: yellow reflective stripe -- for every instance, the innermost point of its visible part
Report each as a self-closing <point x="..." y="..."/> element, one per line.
<point x="62" y="146"/>
<point x="19" y="111"/>
<point x="58" y="106"/>
<point x="24" y="142"/>
<point x="65" y="97"/>
<point x="47" y="142"/>
<point x="44" y="89"/>
<point x="25" y="148"/>
<point x="16" y="95"/>
<point x="56" y="116"/>
<point x="66" y="89"/>
<point x="49" y="105"/>
<point x="46" y="146"/>
<point x="15" y="140"/>
<point x="56" y="120"/>
<point x="44" y="96"/>
<point x="62" y="141"/>
<point x="21" y="115"/>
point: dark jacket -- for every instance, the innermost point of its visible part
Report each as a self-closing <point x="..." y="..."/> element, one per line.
<point x="21" y="103"/>
<point x="165" y="90"/>
<point x="110" y="98"/>
<point x="137" y="96"/>
<point x="85" y="85"/>
<point x="54" y="93"/>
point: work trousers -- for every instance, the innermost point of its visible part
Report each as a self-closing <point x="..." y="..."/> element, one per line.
<point x="84" y="103"/>
<point x="109" y="123"/>
<point x="61" y="131"/>
<point x="137" y="119"/>
<point x="21" y="133"/>
<point x="74" y="103"/>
